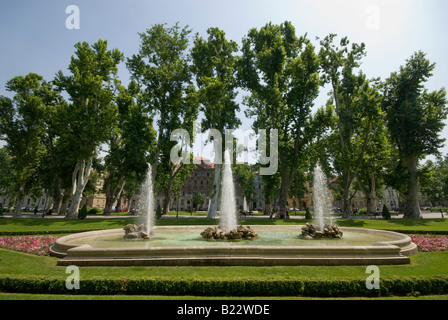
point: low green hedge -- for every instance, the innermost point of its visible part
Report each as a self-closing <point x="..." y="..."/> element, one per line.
<point x="435" y="285"/>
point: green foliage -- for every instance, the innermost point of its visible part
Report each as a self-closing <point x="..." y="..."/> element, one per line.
<point x="389" y="286"/>
<point x="385" y="213"/>
<point x="159" y="212"/>
<point x="415" y="118"/>
<point x="308" y="215"/>
<point x="94" y="211"/>
<point x="161" y="68"/>
<point x="83" y="212"/>
<point x="22" y="128"/>
<point x="198" y="199"/>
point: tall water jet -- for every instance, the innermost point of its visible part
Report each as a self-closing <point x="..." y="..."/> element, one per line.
<point x="147" y="201"/>
<point x="228" y="219"/>
<point x="146" y="207"/>
<point x="322" y="200"/>
<point x="324" y="227"/>
<point x="228" y="225"/>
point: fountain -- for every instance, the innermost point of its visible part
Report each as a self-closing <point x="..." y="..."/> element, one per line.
<point x="275" y="245"/>
<point x="143" y="230"/>
<point x="228" y="219"/>
<point x="228" y="227"/>
<point x="325" y="226"/>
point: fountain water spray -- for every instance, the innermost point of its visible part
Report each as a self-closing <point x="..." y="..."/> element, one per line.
<point x="147" y="199"/>
<point x="146" y="207"/>
<point x="228" y="219"/>
<point x="322" y="200"/>
<point x="228" y="225"/>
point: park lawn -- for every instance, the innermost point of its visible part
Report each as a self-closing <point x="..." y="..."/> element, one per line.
<point x="22" y="264"/>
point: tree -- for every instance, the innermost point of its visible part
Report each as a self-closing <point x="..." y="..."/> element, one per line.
<point x="91" y="116"/>
<point x="161" y="69"/>
<point x="214" y="65"/>
<point x="415" y="117"/>
<point x="281" y="72"/>
<point x="129" y="145"/>
<point x="350" y="97"/>
<point x="245" y="178"/>
<point x="197" y="199"/>
<point x="433" y="180"/>
<point x="22" y="129"/>
<point x="375" y="145"/>
<point x="55" y="168"/>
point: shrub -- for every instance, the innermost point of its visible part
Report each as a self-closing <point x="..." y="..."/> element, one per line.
<point x="82" y="214"/>
<point x="434" y="285"/>
<point x="158" y="212"/>
<point x="308" y="214"/>
<point x="385" y="214"/>
<point x="94" y="211"/>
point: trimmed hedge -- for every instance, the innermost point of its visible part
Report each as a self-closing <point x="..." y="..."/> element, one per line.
<point x="435" y="285"/>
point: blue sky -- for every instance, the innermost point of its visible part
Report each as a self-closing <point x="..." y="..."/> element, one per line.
<point x="34" y="37"/>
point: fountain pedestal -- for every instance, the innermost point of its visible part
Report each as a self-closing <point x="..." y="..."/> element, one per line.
<point x="310" y="231"/>
<point x="132" y="231"/>
<point x="239" y="233"/>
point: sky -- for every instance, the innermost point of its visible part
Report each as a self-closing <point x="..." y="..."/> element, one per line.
<point x="34" y="36"/>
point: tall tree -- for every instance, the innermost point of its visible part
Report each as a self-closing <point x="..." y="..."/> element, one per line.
<point x="280" y="71"/>
<point x="129" y="146"/>
<point x="339" y="64"/>
<point x="161" y="68"/>
<point x="214" y="64"/>
<point x="92" y="113"/>
<point x="415" y="118"/>
<point x="371" y="140"/>
<point x="433" y="178"/>
<point x="21" y="127"/>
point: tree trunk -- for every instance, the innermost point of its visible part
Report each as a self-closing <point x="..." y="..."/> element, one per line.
<point x="18" y="203"/>
<point x="57" y="201"/>
<point x="412" y="206"/>
<point x="268" y="205"/>
<point x="284" y="189"/>
<point x="65" y="202"/>
<point x="166" y="204"/>
<point x="371" y="196"/>
<point x="216" y="189"/>
<point x="18" y="207"/>
<point x="80" y="178"/>
<point x="346" y="205"/>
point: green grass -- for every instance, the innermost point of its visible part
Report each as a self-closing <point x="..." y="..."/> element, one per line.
<point x="18" y="264"/>
<point x="422" y="264"/>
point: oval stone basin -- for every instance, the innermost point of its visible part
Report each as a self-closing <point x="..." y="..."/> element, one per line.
<point x="275" y="245"/>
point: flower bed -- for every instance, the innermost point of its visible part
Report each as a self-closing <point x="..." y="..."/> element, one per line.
<point x="428" y="243"/>
<point x="39" y="245"/>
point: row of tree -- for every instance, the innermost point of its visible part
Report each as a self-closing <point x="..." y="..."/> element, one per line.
<point x="370" y="132"/>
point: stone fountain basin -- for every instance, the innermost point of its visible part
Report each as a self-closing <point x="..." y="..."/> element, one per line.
<point x="79" y="249"/>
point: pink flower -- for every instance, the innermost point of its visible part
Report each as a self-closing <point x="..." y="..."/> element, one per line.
<point x="428" y="243"/>
<point x="39" y="245"/>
